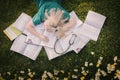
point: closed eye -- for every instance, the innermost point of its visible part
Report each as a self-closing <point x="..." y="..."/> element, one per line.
<point x="55" y="26"/>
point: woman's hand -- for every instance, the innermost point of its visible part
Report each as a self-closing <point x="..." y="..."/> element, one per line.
<point x="67" y="26"/>
<point x="47" y="26"/>
<point x="59" y="33"/>
<point x="44" y="38"/>
<point x="31" y="29"/>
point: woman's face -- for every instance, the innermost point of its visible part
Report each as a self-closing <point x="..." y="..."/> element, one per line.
<point x="50" y="25"/>
<point x="53" y="19"/>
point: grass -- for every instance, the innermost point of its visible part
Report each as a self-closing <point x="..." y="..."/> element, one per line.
<point x="107" y="46"/>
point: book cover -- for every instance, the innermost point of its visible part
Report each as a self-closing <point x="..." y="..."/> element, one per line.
<point x="11" y="32"/>
<point x="15" y="29"/>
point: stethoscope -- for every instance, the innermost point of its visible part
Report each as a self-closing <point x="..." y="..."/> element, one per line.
<point x="71" y="42"/>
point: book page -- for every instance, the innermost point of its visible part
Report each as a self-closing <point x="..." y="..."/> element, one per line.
<point x="52" y="38"/>
<point x="19" y="44"/>
<point x="12" y="32"/>
<point x="21" y="21"/>
<point x="65" y="42"/>
<point x="32" y="39"/>
<point x="28" y="50"/>
<point x="32" y="51"/>
<point x="51" y="52"/>
<point x="39" y="28"/>
<point x="78" y="21"/>
<point x="79" y="43"/>
<point x="89" y="31"/>
<point x="95" y="19"/>
<point x="92" y="26"/>
<point x="77" y="25"/>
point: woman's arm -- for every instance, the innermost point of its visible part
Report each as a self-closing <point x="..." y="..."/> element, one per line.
<point x="66" y="27"/>
<point x="69" y="24"/>
<point x="32" y="30"/>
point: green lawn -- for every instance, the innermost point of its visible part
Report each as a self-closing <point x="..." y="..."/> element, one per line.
<point x="68" y="65"/>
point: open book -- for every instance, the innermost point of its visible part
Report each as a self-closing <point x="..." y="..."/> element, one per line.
<point x="92" y="25"/>
<point x="28" y="50"/>
<point x="15" y="29"/>
<point x="21" y="21"/>
<point x="12" y="32"/>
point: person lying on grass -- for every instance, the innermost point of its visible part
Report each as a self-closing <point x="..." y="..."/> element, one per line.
<point x="55" y="18"/>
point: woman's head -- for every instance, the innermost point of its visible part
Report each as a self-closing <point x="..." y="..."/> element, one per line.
<point x="54" y="18"/>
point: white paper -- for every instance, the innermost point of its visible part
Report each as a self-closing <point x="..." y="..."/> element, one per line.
<point x="78" y="21"/>
<point x="77" y="25"/>
<point x="89" y="31"/>
<point x="19" y="44"/>
<point x="21" y="21"/>
<point x="52" y="38"/>
<point x="32" y="39"/>
<point x="51" y="52"/>
<point x="79" y="43"/>
<point x="32" y="51"/>
<point x="65" y="43"/>
<point x="95" y="19"/>
<point x="28" y="50"/>
<point x="92" y="25"/>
